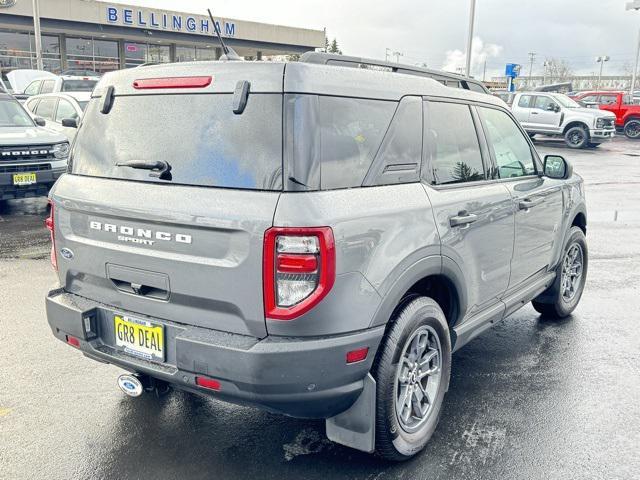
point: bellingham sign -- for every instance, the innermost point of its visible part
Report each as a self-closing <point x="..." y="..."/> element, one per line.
<point x="170" y="21"/>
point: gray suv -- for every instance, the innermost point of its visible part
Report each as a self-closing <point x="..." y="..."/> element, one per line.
<point x="309" y="239"/>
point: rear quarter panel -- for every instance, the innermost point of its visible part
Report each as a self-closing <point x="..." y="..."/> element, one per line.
<point x="380" y="232"/>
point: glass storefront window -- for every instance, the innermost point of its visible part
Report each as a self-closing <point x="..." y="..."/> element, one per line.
<point x="208" y="53"/>
<point x="185" y="54"/>
<point x="92" y="54"/>
<point x="17" y="50"/>
<point x="139" y="53"/>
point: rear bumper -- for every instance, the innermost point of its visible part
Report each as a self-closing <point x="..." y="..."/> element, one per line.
<point x="306" y="378"/>
<point x="44" y="181"/>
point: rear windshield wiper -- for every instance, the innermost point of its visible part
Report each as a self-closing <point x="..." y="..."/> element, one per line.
<point x="158" y="168"/>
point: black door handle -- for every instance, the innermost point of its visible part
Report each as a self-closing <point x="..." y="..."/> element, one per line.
<point x="528" y="203"/>
<point x="463" y="218"/>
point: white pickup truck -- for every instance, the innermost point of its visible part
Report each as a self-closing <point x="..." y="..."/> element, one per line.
<point x="556" y="114"/>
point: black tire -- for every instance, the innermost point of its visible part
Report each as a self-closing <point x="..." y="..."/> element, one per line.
<point x="393" y="441"/>
<point x="632" y="128"/>
<point x="552" y="303"/>
<point x="576" y="137"/>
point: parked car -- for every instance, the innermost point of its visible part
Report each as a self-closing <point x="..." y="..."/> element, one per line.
<point x="61" y="111"/>
<point x="80" y="87"/>
<point x="21" y="77"/>
<point x="556" y="114"/>
<point x="31" y="157"/>
<point x="316" y="245"/>
<point x="505" y="96"/>
<point x="621" y="104"/>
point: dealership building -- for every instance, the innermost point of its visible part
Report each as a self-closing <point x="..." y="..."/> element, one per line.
<point x="102" y="36"/>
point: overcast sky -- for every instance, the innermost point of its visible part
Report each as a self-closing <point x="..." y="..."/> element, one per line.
<point x="434" y="31"/>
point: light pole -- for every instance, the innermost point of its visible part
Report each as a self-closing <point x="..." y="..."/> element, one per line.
<point x="36" y="31"/>
<point x="635" y="5"/>
<point x="532" y="57"/>
<point x="398" y="55"/>
<point x="472" y="19"/>
<point x="387" y="51"/>
<point x="601" y="60"/>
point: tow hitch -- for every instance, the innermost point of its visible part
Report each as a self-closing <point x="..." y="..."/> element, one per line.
<point x="136" y="384"/>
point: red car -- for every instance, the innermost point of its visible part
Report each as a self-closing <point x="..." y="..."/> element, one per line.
<point x="621" y="104"/>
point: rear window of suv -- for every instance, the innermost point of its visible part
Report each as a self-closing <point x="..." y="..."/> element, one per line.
<point x="205" y="143"/>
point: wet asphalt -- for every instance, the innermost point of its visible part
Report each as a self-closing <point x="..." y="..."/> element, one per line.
<point x="529" y="399"/>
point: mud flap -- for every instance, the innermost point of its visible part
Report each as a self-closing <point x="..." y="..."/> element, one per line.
<point x="356" y="427"/>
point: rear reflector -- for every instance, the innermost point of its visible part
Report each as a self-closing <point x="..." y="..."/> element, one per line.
<point x="172" y="82"/>
<point x="297" y="263"/>
<point x="73" y="341"/>
<point x="209" y="383"/>
<point x="357" y="355"/>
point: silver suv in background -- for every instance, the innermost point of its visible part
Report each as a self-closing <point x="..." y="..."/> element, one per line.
<point x="556" y="114"/>
<point x="31" y="157"/>
<point x="309" y="239"/>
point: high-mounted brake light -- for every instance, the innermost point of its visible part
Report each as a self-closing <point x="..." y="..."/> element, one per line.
<point x="50" y="224"/>
<point x="172" y="82"/>
<point x="299" y="269"/>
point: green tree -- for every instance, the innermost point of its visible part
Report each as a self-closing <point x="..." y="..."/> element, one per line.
<point x="334" y="48"/>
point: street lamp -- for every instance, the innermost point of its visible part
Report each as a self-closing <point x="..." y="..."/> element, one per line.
<point x="472" y="18"/>
<point x="601" y="60"/>
<point x="635" y="5"/>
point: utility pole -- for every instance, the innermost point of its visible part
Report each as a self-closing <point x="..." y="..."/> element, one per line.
<point x="36" y="28"/>
<point x="635" y="5"/>
<point x="472" y="19"/>
<point x="386" y="54"/>
<point x="601" y="60"/>
<point x="398" y="55"/>
<point x="532" y="57"/>
<point x="484" y="71"/>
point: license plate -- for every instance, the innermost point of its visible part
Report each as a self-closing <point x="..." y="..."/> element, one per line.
<point x="24" y="178"/>
<point x="139" y="337"/>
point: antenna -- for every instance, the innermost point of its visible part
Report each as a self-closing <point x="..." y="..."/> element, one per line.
<point x="229" y="53"/>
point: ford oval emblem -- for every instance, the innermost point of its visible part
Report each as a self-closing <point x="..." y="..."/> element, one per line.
<point x="130" y="385"/>
<point x="66" y="253"/>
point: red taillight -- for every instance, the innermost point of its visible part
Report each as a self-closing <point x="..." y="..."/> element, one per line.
<point x="299" y="269"/>
<point x="209" y="383"/>
<point x="172" y="82"/>
<point x="359" y="355"/>
<point x="50" y="224"/>
<point x="73" y="341"/>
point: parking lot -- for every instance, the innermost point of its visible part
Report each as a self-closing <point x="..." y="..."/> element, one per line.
<point x="530" y="398"/>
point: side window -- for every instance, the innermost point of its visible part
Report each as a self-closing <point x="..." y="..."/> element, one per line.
<point x="65" y="110"/>
<point x="627" y="100"/>
<point x="32" y="88"/>
<point x="452" y="144"/>
<point x="398" y="159"/>
<point x="46" y="108"/>
<point x="351" y="130"/>
<point x="474" y="87"/>
<point x="32" y="104"/>
<point x="544" y="103"/>
<point x="589" y="98"/>
<point x="47" y="86"/>
<point x="608" y="99"/>
<point x="525" y="101"/>
<point x="453" y="84"/>
<point x="509" y="146"/>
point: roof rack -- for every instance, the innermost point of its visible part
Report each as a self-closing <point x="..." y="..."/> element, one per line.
<point x="368" y="63"/>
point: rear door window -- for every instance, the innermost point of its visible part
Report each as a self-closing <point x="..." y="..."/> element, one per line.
<point x="46" y="108"/>
<point x="452" y="144"/>
<point x="199" y="136"/>
<point x="47" y="86"/>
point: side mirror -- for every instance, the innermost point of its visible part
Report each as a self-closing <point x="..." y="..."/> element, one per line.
<point x="70" y="122"/>
<point x="41" y="122"/>
<point x="552" y="107"/>
<point x="557" y="167"/>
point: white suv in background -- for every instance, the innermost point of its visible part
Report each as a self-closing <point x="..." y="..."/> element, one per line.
<point x="558" y="115"/>
<point x="62" y="112"/>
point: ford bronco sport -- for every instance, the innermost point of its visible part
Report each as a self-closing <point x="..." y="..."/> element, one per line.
<point x="310" y="239"/>
<point x="31" y="157"/>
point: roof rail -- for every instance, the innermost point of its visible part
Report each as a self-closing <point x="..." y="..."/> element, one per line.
<point x="368" y="63"/>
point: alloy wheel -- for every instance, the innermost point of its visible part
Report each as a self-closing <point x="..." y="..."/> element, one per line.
<point x="572" y="268"/>
<point x="418" y="378"/>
